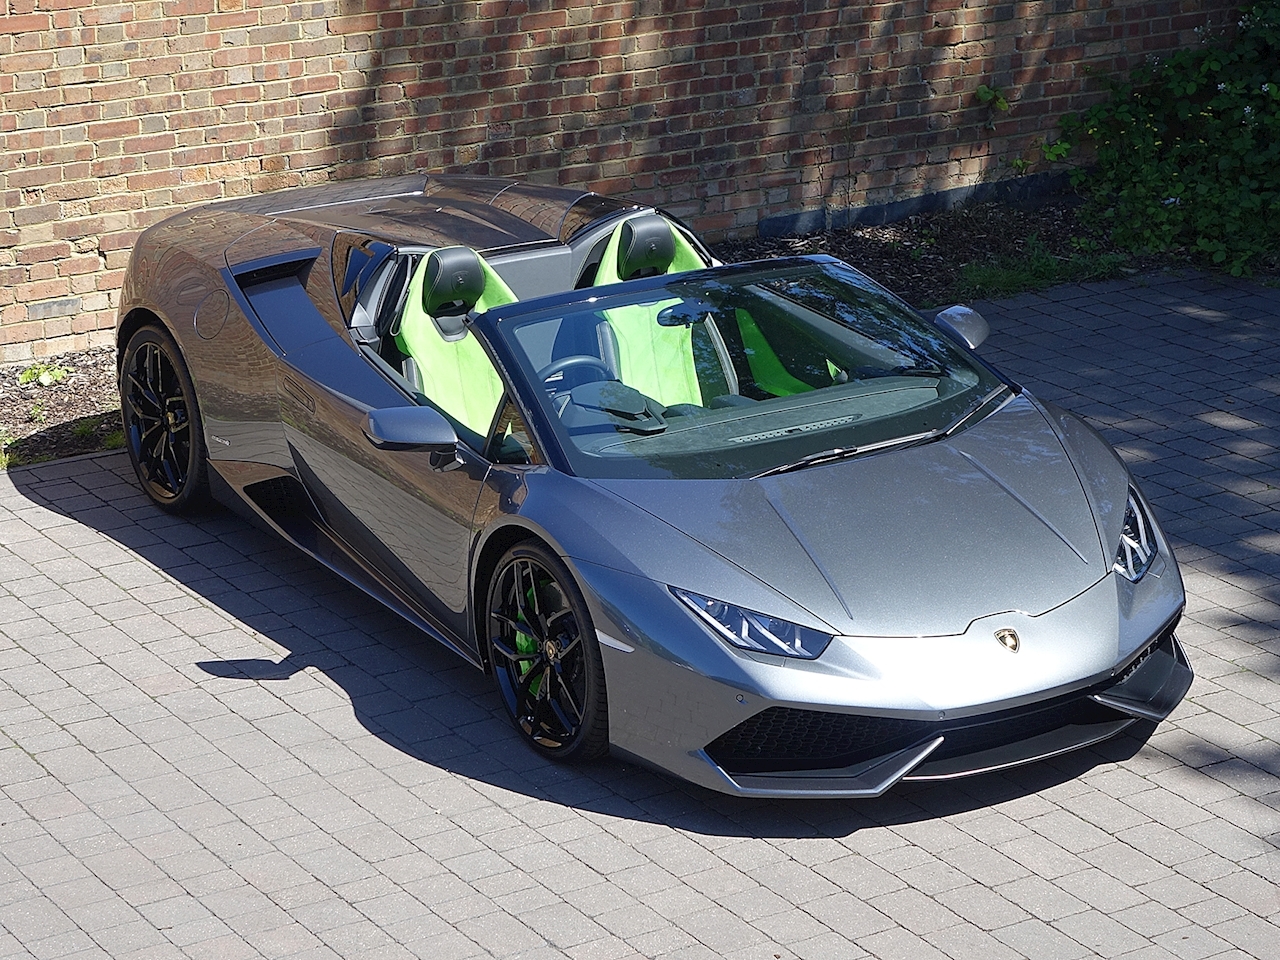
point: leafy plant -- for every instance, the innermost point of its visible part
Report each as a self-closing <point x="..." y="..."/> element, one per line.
<point x="992" y="97"/>
<point x="1188" y="151"/>
<point x="36" y="413"/>
<point x="1057" y="150"/>
<point x="6" y="459"/>
<point x="45" y="374"/>
<point x="113" y="440"/>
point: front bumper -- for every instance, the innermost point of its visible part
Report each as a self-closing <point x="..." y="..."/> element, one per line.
<point x="810" y="753"/>
<point x="873" y="711"/>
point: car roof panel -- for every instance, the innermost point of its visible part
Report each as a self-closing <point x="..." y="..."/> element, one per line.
<point x="432" y="221"/>
<point x="485" y="213"/>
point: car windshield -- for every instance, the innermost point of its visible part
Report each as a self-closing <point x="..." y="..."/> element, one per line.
<point x="739" y="372"/>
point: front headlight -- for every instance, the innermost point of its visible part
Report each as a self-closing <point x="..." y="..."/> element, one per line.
<point x="749" y="630"/>
<point x="1137" y="541"/>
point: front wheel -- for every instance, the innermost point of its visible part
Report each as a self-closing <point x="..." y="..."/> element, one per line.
<point x="545" y="657"/>
<point x="162" y="427"/>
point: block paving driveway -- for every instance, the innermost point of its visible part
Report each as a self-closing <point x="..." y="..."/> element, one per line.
<point x="210" y="747"/>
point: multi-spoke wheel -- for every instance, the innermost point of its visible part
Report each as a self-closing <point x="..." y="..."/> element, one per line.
<point x="162" y="423"/>
<point x="544" y="654"/>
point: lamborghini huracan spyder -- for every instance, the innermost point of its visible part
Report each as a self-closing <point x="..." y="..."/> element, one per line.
<point x="761" y="526"/>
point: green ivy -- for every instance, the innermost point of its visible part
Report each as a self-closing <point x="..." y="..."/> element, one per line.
<point x="992" y="97"/>
<point x="1188" y="151"/>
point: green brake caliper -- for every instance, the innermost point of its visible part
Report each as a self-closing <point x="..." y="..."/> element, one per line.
<point x="527" y="644"/>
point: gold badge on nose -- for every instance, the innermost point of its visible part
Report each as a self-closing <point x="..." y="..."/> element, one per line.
<point x="1008" y="639"/>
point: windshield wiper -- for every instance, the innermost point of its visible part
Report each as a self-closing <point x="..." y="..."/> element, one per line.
<point x="918" y="439"/>
<point x="973" y="411"/>
<point x="822" y="456"/>
<point x="841" y="453"/>
<point x="874" y="373"/>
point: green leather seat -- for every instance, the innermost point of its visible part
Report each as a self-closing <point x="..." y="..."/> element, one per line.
<point x="658" y="361"/>
<point x="454" y="371"/>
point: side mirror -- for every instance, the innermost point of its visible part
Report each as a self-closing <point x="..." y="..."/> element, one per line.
<point x="965" y="324"/>
<point x="414" y="428"/>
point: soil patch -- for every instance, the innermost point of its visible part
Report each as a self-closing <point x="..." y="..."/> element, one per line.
<point x="73" y="408"/>
<point x="973" y="252"/>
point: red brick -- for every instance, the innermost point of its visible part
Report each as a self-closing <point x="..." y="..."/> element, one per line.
<point x="725" y="111"/>
<point x="27" y="23"/>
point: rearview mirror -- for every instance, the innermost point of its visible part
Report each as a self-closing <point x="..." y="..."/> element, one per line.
<point x="685" y="313"/>
<point x="964" y="323"/>
<point x="414" y="428"/>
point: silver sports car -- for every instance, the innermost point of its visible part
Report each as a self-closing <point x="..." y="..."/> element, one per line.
<point x="761" y="526"/>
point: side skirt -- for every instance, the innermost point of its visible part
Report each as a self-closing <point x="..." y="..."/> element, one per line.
<point x="275" y="500"/>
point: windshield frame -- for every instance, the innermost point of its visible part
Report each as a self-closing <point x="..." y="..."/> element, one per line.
<point x="494" y="325"/>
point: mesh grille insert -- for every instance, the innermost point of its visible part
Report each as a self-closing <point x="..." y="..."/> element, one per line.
<point x="783" y="738"/>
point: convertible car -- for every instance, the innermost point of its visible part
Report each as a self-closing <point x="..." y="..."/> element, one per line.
<point x="761" y="526"/>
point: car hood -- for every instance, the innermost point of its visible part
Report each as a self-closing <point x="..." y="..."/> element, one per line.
<point x="915" y="542"/>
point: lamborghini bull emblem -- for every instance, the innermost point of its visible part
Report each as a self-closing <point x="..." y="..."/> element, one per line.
<point x="1008" y="639"/>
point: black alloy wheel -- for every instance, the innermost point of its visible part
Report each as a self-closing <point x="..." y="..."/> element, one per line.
<point x="162" y="426"/>
<point x="545" y="656"/>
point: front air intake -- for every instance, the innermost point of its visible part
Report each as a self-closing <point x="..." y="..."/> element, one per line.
<point x="784" y="738"/>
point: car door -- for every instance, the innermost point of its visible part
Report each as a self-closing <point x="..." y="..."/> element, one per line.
<point x="407" y="522"/>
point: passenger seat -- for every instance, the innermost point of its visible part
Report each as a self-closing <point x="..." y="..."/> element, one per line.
<point x="658" y="361"/>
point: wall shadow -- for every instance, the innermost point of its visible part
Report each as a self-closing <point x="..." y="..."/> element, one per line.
<point x="425" y="702"/>
<point x="724" y="113"/>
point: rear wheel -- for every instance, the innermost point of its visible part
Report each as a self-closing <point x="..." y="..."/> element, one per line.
<point x="545" y="657"/>
<point x="162" y="426"/>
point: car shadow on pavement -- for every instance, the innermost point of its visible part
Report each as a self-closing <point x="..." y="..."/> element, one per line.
<point x="256" y="595"/>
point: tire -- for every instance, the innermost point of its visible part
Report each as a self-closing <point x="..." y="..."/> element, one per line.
<point x="162" y="427"/>
<point x="545" y="657"/>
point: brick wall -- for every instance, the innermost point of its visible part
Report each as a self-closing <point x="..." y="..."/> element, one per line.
<point x="115" y="114"/>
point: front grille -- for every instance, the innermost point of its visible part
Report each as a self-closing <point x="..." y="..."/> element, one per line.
<point x="783" y="738"/>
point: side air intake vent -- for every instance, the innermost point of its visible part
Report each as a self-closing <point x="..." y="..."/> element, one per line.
<point x="284" y="500"/>
<point x="292" y="264"/>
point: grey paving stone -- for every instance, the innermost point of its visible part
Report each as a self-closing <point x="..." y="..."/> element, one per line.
<point x="1150" y="919"/>
<point x="1192" y="943"/>
<point x="915" y="911"/>
<point x="900" y="944"/>
<point x="982" y="907"/>
<point x="1101" y="934"/>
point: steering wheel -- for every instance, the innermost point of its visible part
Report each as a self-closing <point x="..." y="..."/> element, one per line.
<point x="576" y="360"/>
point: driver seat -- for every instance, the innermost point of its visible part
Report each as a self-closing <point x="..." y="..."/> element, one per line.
<point x="453" y="370"/>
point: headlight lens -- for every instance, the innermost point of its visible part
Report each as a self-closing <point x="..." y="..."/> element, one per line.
<point x="1138" y="546"/>
<point x="749" y="630"/>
